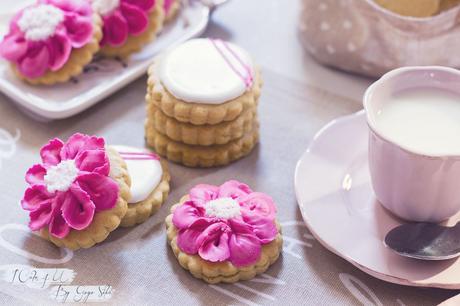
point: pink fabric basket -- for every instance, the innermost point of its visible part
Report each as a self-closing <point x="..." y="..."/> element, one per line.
<point x="361" y="37"/>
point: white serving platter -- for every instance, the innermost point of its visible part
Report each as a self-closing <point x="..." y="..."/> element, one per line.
<point x="103" y="76"/>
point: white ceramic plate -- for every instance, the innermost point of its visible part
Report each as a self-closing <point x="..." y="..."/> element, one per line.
<point x="104" y="76"/>
<point x="335" y="196"/>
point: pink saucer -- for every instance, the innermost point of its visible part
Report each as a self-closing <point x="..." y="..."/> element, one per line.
<point x="335" y="196"/>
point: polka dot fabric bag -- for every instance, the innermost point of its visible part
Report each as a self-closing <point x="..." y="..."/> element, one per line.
<point x="362" y="37"/>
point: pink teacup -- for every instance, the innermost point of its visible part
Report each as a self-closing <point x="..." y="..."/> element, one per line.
<point x="413" y="185"/>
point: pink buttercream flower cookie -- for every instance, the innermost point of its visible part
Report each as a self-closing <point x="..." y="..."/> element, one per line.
<point x="78" y="194"/>
<point x="128" y="25"/>
<point x="224" y="233"/>
<point x="52" y="40"/>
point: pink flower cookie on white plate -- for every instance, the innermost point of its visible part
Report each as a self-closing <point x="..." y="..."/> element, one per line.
<point x="52" y="40"/>
<point x="224" y="233"/>
<point x="78" y="194"/>
<point x="128" y="25"/>
<point x="149" y="183"/>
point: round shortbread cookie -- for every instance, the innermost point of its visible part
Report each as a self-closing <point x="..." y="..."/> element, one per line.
<point x="203" y="135"/>
<point x="136" y="43"/>
<point x="105" y="221"/>
<point x="204" y="81"/>
<point x="78" y="59"/>
<point x="202" y="156"/>
<point x="226" y="272"/>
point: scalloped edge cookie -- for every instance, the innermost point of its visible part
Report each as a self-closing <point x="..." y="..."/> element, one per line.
<point x="135" y="43"/>
<point x="139" y="212"/>
<point x="199" y="113"/>
<point x="201" y="156"/>
<point x="203" y="135"/>
<point x="79" y="58"/>
<point x="217" y="272"/>
<point x="104" y="222"/>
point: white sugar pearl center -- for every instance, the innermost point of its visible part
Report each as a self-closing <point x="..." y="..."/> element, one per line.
<point x="61" y="176"/>
<point x="40" y="22"/>
<point x="225" y="208"/>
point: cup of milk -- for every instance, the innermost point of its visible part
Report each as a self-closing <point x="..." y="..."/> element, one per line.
<point x="413" y="114"/>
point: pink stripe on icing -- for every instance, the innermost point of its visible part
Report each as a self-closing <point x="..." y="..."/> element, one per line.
<point x="246" y="67"/>
<point x="139" y="156"/>
<point x="248" y="79"/>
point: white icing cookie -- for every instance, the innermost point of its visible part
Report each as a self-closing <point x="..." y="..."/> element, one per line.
<point x="206" y="71"/>
<point x="145" y="171"/>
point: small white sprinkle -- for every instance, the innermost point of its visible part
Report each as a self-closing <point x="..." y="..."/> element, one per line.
<point x="330" y="49"/>
<point x="325" y="26"/>
<point x="347" y="24"/>
<point x="322" y="6"/>
<point x="351" y="47"/>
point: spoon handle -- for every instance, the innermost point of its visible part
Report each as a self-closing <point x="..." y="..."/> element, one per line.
<point x="453" y="301"/>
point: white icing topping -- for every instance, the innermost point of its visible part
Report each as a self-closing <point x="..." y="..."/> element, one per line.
<point x="105" y="7"/>
<point x="61" y="176"/>
<point x="203" y="71"/>
<point x="145" y="174"/>
<point x="225" y="208"/>
<point x="40" y="22"/>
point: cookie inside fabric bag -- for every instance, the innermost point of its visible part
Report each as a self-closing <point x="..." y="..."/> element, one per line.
<point x="423" y="8"/>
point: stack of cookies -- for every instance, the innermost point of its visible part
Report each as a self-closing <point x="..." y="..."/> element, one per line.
<point x="202" y="101"/>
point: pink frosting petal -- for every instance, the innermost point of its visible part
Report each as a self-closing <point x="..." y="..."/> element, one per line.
<point x="79" y="143"/>
<point x="234" y="189"/>
<point x="145" y="5"/>
<point x="201" y="194"/>
<point x="77" y="208"/>
<point x="244" y="250"/>
<point x="115" y="30"/>
<point x="93" y="161"/>
<point x="259" y="203"/>
<point x="13" y="47"/>
<point x="79" y="29"/>
<point x="186" y="214"/>
<point x="50" y="153"/>
<point x="244" y="246"/>
<point x="214" y="243"/>
<point x="187" y="238"/>
<point x="41" y="217"/>
<point x="264" y="228"/>
<point x="35" y="196"/>
<point x="58" y="226"/>
<point x="59" y="47"/>
<point x="137" y="19"/>
<point x="35" y="175"/>
<point x="35" y="63"/>
<point x="102" y="190"/>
